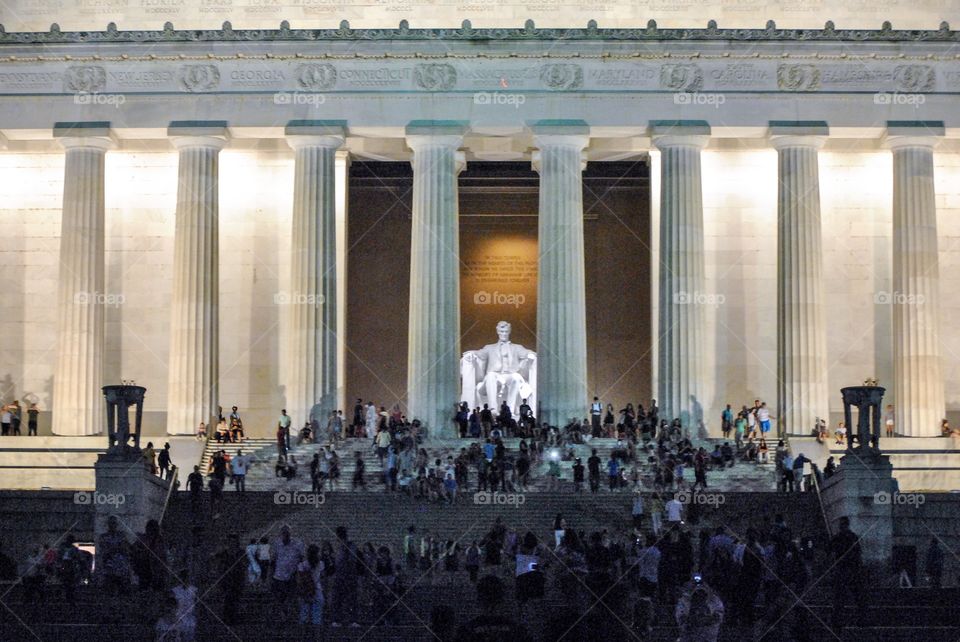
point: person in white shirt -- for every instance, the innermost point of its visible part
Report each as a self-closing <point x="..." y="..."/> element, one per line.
<point x="238" y="466"/>
<point x="751" y="424"/>
<point x="637" y="511"/>
<point x="648" y="564"/>
<point x="287" y="553"/>
<point x="763" y="416"/>
<point x="186" y="596"/>
<point x="310" y="587"/>
<point x="674" y="510"/>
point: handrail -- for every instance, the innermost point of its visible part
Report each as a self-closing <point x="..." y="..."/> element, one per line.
<point x="823" y="510"/>
<point x="174" y="472"/>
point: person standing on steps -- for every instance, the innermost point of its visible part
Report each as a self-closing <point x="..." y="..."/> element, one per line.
<point x="32" y="413"/>
<point x="593" y="466"/>
<point x="165" y="463"/>
<point x="195" y="486"/>
<point x="596" y="413"/>
<point x="358" y="472"/>
<point x="847" y="574"/>
<point x="345" y="580"/>
<point x="287" y="553"/>
<point x="240" y="464"/>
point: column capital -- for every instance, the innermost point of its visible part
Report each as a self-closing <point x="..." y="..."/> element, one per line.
<point x="198" y="133"/>
<point x="91" y="135"/>
<point x="919" y="133"/>
<point x="536" y="159"/>
<point x="560" y="133"/>
<point x="798" y="133"/>
<point x="316" y="133"/>
<point x="459" y="162"/>
<point x="679" y="133"/>
<point x="3" y="142"/>
<point x="784" y="142"/>
<point x="435" y="133"/>
<point x="297" y="141"/>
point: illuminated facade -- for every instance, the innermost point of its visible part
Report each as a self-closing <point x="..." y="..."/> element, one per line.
<point x="184" y="192"/>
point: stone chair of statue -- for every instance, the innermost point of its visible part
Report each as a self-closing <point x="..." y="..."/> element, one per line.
<point x="474" y="392"/>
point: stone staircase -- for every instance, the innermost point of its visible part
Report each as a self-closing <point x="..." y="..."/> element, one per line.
<point x="898" y="615"/>
<point x="249" y="446"/>
<point x="262" y="476"/>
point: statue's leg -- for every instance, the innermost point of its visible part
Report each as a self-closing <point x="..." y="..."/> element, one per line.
<point x="513" y="384"/>
<point x="490" y="385"/>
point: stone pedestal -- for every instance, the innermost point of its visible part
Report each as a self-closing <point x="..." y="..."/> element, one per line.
<point x="77" y="409"/>
<point x="863" y="489"/>
<point x="194" y="309"/>
<point x="561" y="289"/>
<point x="801" y="319"/>
<point x="312" y="314"/>
<point x="433" y="346"/>
<point x="127" y="489"/>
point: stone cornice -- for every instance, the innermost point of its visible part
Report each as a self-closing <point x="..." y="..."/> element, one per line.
<point x="466" y="32"/>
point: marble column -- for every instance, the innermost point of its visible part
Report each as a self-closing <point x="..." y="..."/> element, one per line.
<point x="680" y="350"/>
<point x="77" y="397"/>
<point x="918" y="379"/>
<point x="193" y="392"/>
<point x="312" y="313"/>
<point x="801" y="316"/>
<point x="561" y="289"/>
<point x="433" y="347"/>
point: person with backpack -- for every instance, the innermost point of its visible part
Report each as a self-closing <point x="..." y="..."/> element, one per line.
<point x="310" y="574"/>
<point x="164" y="462"/>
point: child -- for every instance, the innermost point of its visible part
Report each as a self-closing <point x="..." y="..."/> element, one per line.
<point x="841" y="433"/>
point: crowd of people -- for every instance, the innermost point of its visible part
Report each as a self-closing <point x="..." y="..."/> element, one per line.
<point x="11" y="419"/>
<point x="612" y="581"/>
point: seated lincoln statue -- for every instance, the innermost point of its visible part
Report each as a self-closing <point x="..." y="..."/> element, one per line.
<point x="499" y="372"/>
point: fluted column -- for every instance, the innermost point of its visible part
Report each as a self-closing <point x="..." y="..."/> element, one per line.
<point x="77" y="398"/>
<point x="680" y="351"/>
<point x="312" y="314"/>
<point x="801" y="318"/>
<point x="918" y="378"/>
<point x="433" y="348"/>
<point x="194" y="309"/>
<point x="561" y="290"/>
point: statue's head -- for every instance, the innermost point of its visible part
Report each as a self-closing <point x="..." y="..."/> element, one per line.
<point x="503" y="330"/>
